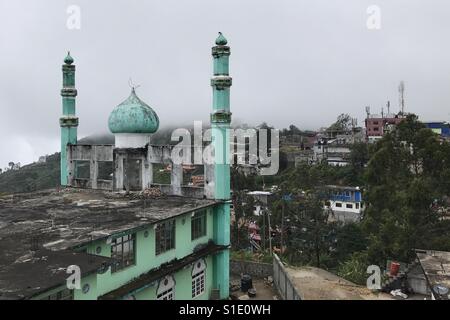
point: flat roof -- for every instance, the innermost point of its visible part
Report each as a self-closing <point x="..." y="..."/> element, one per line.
<point x="44" y="226"/>
<point x="436" y="267"/>
<point x="318" y="284"/>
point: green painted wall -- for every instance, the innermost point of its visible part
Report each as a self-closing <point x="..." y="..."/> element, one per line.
<point x="146" y="259"/>
<point x="183" y="287"/>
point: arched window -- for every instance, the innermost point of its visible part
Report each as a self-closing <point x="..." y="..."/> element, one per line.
<point x="166" y="288"/>
<point x="198" y="278"/>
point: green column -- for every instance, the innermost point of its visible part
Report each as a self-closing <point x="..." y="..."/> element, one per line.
<point x="68" y="121"/>
<point x="220" y="125"/>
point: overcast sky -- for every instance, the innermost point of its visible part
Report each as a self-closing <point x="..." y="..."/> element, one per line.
<point x="298" y="61"/>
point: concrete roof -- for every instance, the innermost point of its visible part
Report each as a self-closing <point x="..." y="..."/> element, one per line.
<point x="44" y="226"/>
<point x="318" y="284"/>
<point x="436" y="267"/>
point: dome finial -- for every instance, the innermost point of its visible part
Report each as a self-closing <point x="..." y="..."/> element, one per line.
<point x="68" y="59"/>
<point x="221" y="40"/>
<point x="132" y="85"/>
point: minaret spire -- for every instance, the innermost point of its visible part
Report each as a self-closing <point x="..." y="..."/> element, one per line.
<point x="220" y="128"/>
<point x="69" y="121"/>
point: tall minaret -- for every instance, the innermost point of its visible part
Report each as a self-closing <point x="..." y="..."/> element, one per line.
<point x="68" y="121"/>
<point x="220" y="127"/>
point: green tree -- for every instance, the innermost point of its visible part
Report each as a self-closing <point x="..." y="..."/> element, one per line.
<point x="240" y="185"/>
<point x="408" y="171"/>
<point x="343" y="123"/>
<point x="308" y="236"/>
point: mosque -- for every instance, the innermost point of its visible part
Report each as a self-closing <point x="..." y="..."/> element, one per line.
<point x="101" y="236"/>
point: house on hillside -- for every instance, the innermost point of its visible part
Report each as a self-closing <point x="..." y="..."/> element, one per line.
<point x="344" y="203"/>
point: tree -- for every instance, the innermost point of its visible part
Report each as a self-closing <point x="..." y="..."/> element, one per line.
<point x="350" y="239"/>
<point x="359" y="156"/>
<point x="11" y="165"/>
<point x="408" y="172"/>
<point x="240" y="184"/>
<point x="343" y="123"/>
<point x="309" y="237"/>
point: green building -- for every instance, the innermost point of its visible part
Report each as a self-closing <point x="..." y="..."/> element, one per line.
<point x="112" y="231"/>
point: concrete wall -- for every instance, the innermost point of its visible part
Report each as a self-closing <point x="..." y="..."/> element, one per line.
<point x="283" y="282"/>
<point x="93" y="154"/>
<point x="127" y="177"/>
<point x="255" y="269"/>
<point x="417" y="281"/>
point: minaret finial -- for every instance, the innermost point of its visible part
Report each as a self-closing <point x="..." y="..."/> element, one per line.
<point x="68" y="59"/>
<point x="221" y="40"/>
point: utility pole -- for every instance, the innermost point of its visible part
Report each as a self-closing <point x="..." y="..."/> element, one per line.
<point x="401" y="91"/>
<point x="270" y="233"/>
<point x="264" y="231"/>
<point x="282" y="225"/>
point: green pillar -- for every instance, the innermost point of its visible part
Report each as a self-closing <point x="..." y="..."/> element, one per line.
<point x="220" y="125"/>
<point x="68" y="121"/>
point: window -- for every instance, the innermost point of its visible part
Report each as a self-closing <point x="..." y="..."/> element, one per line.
<point x="198" y="225"/>
<point x="123" y="250"/>
<point x="105" y="170"/>
<point x="198" y="284"/>
<point x="165" y="236"/>
<point x="166" y="289"/>
<point x="198" y="278"/>
<point x="349" y="206"/>
<point x="82" y="169"/>
<point x="357" y="205"/>
<point x="375" y="129"/>
<point x="338" y="205"/>
<point x="165" y="295"/>
<point x="65" y="294"/>
<point x="161" y="173"/>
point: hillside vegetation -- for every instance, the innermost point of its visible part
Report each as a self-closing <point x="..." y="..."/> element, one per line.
<point x="32" y="177"/>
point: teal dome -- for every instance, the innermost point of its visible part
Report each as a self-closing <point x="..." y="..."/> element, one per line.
<point x="133" y="116"/>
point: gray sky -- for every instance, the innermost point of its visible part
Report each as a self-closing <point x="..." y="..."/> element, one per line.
<point x="293" y="61"/>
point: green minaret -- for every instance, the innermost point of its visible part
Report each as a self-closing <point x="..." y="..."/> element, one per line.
<point x="220" y="127"/>
<point x="68" y="121"/>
